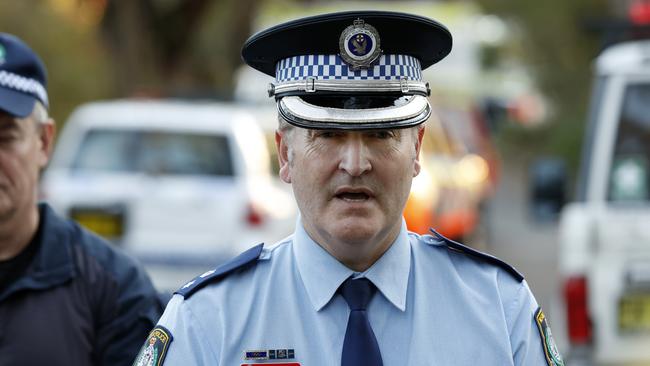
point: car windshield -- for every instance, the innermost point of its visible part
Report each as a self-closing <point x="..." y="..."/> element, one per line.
<point x="630" y="170"/>
<point x="154" y="152"/>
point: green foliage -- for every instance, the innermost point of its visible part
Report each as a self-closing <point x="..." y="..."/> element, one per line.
<point x="176" y="47"/>
<point x="559" y="52"/>
<point x="76" y="63"/>
<point x="561" y="138"/>
<point x="122" y="48"/>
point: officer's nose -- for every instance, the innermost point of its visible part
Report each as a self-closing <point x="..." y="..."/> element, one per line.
<point x="355" y="156"/>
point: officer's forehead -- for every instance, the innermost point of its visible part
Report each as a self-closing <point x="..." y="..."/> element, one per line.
<point x="313" y="133"/>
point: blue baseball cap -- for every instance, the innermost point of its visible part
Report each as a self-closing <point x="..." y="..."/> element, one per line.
<point x="23" y="79"/>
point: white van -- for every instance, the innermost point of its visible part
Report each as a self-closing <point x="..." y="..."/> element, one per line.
<point x="182" y="186"/>
<point x="604" y="242"/>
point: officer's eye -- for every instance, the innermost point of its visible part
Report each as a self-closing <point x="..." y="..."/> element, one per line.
<point x="382" y="134"/>
<point x="327" y="134"/>
<point x="8" y="137"/>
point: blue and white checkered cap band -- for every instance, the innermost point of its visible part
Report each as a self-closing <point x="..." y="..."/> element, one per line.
<point x="332" y="67"/>
<point x="24" y="85"/>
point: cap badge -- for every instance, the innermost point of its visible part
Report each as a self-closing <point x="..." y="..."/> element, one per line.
<point x="359" y="45"/>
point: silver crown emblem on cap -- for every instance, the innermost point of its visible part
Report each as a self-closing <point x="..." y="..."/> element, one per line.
<point x="359" y="45"/>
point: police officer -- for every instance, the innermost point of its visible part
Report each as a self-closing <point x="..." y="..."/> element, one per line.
<point x="66" y="296"/>
<point x="352" y="286"/>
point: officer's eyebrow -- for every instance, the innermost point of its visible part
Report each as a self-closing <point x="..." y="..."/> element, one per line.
<point x="8" y="123"/>
<point x="312" y="133"/>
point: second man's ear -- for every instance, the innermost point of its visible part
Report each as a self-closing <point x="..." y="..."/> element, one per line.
<point x="47" y="132"/>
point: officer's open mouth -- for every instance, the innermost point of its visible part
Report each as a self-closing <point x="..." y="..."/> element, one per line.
<point x="353" y="194"/>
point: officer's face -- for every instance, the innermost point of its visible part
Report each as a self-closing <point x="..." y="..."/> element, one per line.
<point x="351" y="187"/>
<point x="24" y="151"/>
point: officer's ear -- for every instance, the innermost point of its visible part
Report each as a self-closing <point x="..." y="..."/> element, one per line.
<point x="281" y="143"/>
<point x="46" y="132"/>
<point x="418" y="145"/>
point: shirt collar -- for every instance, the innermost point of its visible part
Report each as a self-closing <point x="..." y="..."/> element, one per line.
<point x="322" y="274"/>
<point x="53" y="262"/>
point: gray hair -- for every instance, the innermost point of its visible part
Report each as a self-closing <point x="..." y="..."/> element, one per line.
<point x="39" y="114"/>
<point x="283" y="125"/>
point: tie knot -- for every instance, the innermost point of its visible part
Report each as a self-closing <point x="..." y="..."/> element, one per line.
<point x="357" y="293"/>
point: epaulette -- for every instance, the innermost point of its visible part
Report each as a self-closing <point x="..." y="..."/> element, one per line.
<point x="458" y="247"/>
<point x="245" y="259"/>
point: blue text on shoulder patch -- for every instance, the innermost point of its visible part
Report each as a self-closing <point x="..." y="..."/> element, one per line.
<point x="154" y="350"/>
<point x="246" y="258"/>
<point x="479" y="255"/>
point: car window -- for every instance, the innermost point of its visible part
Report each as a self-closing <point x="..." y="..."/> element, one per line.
<point x="630" y="168"/>
<point x="154" y="152"/>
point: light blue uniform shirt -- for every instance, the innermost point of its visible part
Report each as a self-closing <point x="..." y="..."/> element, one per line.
<point x="434" y="306"/>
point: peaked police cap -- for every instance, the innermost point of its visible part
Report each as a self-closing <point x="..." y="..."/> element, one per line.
<point x="350" y="70"/>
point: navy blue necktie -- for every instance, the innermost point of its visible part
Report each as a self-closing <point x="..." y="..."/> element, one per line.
<point x="360" y="347"/>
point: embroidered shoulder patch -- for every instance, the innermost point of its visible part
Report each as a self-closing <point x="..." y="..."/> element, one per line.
<point x="154" y="350"/>
<point x="551" y="352"/>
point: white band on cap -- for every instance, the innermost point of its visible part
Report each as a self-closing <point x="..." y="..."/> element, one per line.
<point x="296" y="107"/>
<point x="23" y="85"/>
<point x="324" y="67"/>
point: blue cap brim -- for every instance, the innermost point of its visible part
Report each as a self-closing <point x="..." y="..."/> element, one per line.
<point x="16" y="103"/>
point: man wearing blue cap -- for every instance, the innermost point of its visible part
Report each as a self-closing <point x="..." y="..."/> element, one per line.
<point x="66" y="296"/>
<point x="352" y="286"/>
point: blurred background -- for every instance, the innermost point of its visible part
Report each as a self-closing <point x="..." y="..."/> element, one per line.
<point x="510" y="165"/>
